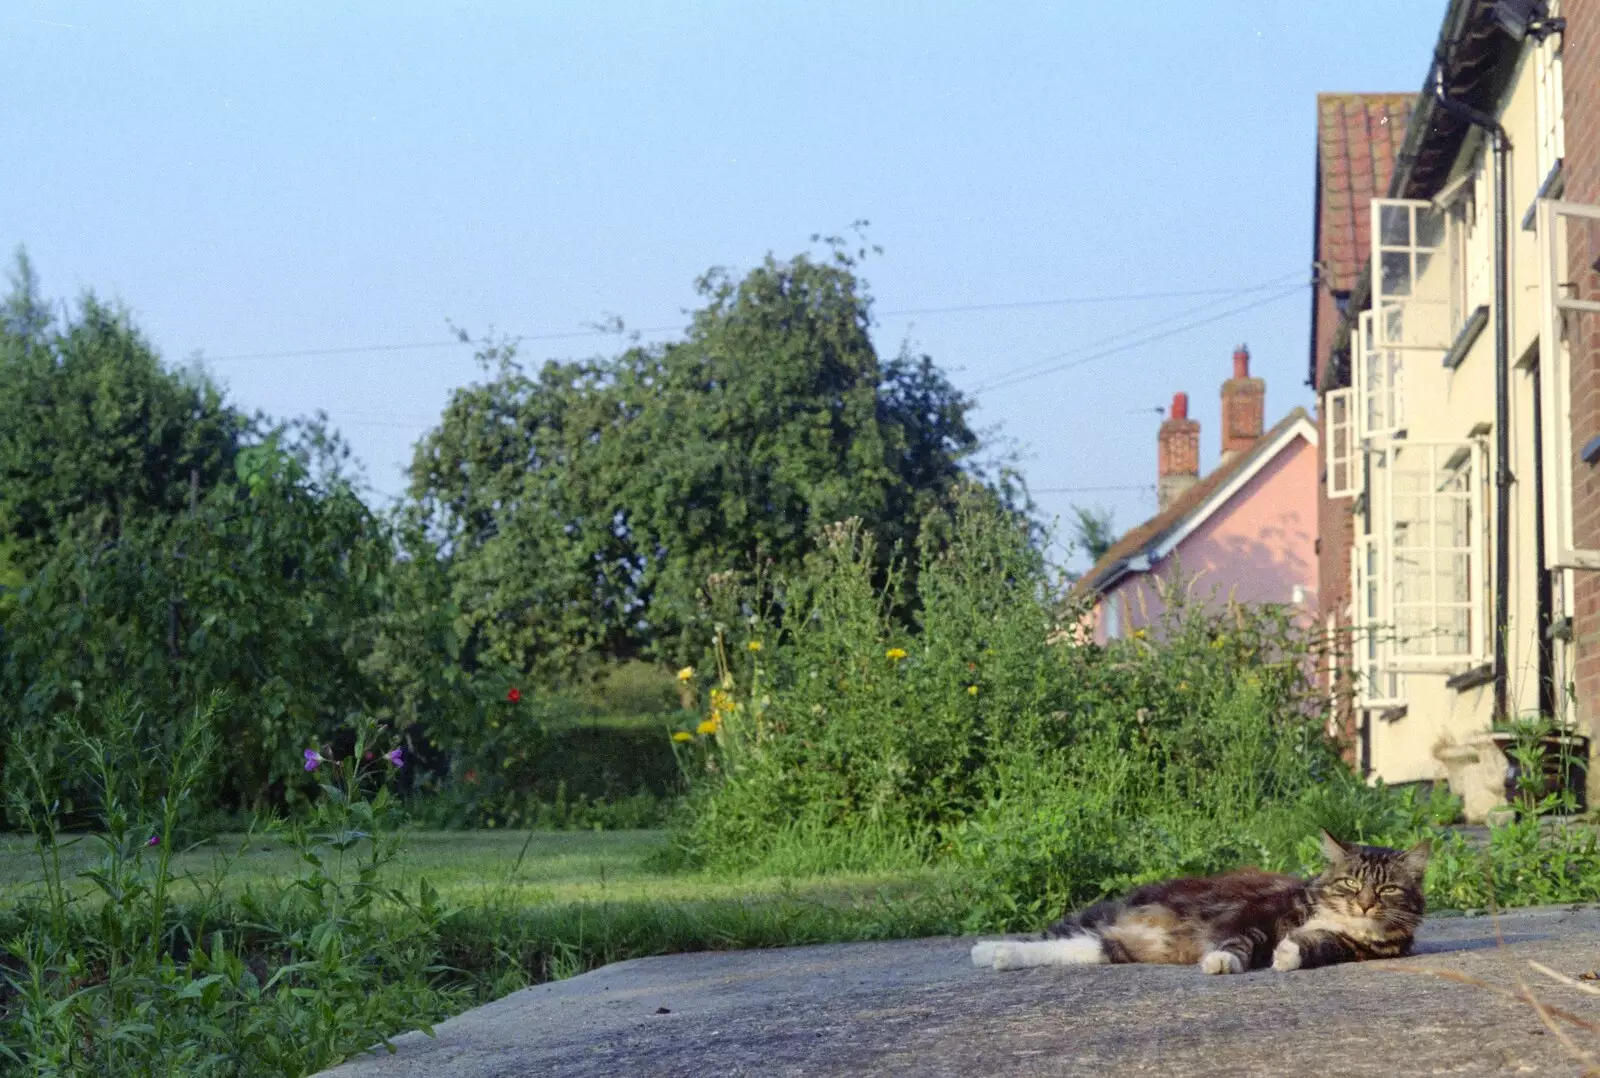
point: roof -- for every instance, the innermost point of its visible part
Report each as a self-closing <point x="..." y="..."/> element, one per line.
<point x="1358" y="137"/>
<point x="1194" y="506"/>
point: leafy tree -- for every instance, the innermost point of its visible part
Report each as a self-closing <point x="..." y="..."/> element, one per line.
<point x="582" y="509"/>
<point x="1093" y="531"/>
<point x="92" y="429"/>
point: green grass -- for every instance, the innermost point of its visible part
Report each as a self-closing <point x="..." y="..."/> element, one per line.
<point x="519" y="869"/>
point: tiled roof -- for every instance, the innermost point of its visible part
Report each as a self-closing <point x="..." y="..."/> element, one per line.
<point x="1358" y="137"/>
<point x="1162" y="524"/>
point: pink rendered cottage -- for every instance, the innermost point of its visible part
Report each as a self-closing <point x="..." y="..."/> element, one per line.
<point x="1245" y="532"/>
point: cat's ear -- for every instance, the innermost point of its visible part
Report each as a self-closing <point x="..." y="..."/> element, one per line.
<point x="1416" y="858"/>
<point x="1332" y="848"/>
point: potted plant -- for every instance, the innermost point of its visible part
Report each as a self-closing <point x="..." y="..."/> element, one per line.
<point x="1547" y="766"/>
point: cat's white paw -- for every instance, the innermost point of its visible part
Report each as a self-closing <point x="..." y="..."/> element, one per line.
<point x="1221" y="962"/>
<point x="1286" y="956"/>
<point x="983" y="953"/>
<point x="1007" y="956"/>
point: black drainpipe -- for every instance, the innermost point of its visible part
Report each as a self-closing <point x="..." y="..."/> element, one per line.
<point x="1547" y="663"/>
<point x="1500" y="144"/>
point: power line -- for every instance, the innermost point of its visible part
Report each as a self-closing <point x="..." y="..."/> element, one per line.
<point x="1092" y="490"/>
<point x="1151" y="339"/>
<point x="456" y="342"/>
<point x="1006" y="377"/>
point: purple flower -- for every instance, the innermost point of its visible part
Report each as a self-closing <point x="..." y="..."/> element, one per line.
<point x="394" y="757"/>
<point x="155" y="840"/>
<point x="314" y="759"/>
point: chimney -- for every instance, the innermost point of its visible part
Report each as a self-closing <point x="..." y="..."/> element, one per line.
<point x="1244" y="402"/>
<point x="1178" y="458"/>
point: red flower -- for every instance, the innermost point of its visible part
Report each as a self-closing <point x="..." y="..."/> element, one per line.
<point x="513" y="695"/>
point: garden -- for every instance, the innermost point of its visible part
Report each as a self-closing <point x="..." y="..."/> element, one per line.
<point x="286" y="777"/>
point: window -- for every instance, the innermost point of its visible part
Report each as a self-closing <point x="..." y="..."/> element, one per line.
<point x="1434" y="535"/>
<point x="1412" y="276"/>
<point x="1378" y="683"/>
<point x="1548" y="105"/>
<point x="1563" y="227"/>
<point x="1343" y="463"/>
<point x="1379" y="376"/>
<point x="1112" y="606"/>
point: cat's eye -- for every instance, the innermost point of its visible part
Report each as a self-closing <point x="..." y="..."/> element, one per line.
<point x="1349" y="885"/>
<point x="1390" y="889"/>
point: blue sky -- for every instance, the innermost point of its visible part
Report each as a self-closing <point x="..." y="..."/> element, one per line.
<point x="275" y="177"/>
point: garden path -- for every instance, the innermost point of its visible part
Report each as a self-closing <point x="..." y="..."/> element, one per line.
<point x="921" y="1008"/>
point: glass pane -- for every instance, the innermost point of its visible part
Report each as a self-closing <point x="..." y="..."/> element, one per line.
<point x="1394" y="322"/>
<point x="1396" y="269"/>
<point x="1460" y="583"/>
<point x="1395" y="230"/>
<point x="1430" y="228"/>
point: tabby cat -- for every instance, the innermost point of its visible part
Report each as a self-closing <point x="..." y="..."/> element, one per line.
<point x="1365" y="904"/>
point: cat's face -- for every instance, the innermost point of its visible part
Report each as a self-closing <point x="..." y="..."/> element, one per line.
<point x="1372" y="883"/>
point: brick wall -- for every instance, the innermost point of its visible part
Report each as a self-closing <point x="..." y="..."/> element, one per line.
<point x="1335" y="521"/>
<point x="1581" y="75"/>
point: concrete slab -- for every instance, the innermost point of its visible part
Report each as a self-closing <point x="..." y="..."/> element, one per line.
<point x="921" y="1008"/>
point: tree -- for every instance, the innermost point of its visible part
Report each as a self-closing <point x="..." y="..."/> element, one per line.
<point x="1093" y="531"/>
<point x="583" y="509"/>
<point x="92" y="429"/>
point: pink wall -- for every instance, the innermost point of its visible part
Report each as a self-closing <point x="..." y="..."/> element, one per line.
<point x="1255" y="548"/>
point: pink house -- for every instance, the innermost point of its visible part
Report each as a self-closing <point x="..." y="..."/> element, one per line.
<point x="1245" y="532"/>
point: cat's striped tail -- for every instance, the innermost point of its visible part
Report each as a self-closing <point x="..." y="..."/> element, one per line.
<point x="1085" y="950"/>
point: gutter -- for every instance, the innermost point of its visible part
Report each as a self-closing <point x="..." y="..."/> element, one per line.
<point x="1500" y="148"/>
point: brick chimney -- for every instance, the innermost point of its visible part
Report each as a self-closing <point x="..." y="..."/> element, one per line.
<point x="1178" y="458"/>
<point x="1244" y="401"/>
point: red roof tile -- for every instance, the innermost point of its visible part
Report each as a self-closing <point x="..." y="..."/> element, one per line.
<point x="1358" y="136"/>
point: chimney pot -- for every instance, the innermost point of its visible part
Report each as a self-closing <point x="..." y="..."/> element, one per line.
<point x="1178" y="466"/>
<point x="1243" y="406"/>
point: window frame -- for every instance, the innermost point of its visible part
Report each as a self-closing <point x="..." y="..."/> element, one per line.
<point x="1341" y="433"/>
<point x="1555" y="373"/>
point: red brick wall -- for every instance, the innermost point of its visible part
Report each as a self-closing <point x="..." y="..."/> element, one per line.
<point x="1335" y="521"/>
<point x="1581" y="75"/>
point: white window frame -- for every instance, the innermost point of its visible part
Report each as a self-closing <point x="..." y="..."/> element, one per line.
<point x="1343" y="450"/>
<point x="1555" y="380"/>
<point x="1378" y="377"/>
<point x="1549" y="105"/>
<point x="1417" y="560"/>
<point x="1378" y="683"/>
<point x="1407" y="319"/>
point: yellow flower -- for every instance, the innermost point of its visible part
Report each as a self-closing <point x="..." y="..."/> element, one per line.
<point x="1139" y="634"/>
<point x="682" y="735"/>
<point x="972" y="690"/>
<point x="895" y="654"/>
<point x="754" y="645"/>
<point x="709" y="726"/>
<point x="1183" y="686"/>
<point x="686" y="674"/>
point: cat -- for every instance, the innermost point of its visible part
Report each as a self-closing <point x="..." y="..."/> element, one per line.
<point x="1366" y="903"/>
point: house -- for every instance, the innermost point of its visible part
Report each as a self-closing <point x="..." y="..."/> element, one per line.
<point x="1244" y="532"/>
<point x="1459" y="397"/>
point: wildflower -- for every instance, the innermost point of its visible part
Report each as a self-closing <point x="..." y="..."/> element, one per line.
<point x="686" y="674"/>
<point x="972" y="690"/>
<point x="155" y="840"/>
<point x="1183" y="686"/>
<point x="683" y="735"/>
<point x="471" y="777"/>
<point x="314" y="759"/>
<point x="513" y="694"/>
<point x="754" y="645"/>
<point x="395" y="758"/>
<point x="1139" y="634"/>
<point x="709" y="726"/>
<point x="368" y="755"/>
<point x="894" y="655"/>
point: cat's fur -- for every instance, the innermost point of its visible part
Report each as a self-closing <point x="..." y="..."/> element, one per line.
<point x="1367" y="903"/>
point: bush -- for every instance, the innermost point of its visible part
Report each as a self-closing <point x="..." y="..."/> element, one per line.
<point x="984" y="731"/>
